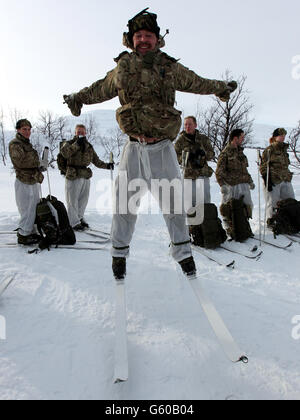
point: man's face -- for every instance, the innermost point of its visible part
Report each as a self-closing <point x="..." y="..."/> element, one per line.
<point x="144" y="41"/>
<point x="190" y="126"/>
<point x="80" y="132"/>
<point x="240" y="139"/>
<point x="280" y="139"/>
<point x="25" y="131"/>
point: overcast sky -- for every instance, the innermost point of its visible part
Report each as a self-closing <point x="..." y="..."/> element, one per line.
<point x="55" y="47"/>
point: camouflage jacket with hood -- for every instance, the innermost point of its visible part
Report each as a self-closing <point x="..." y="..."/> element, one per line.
<point x="25" y="160"/>
<point x="79" y="159"/>
<point x="146" y="87"/>
<point x="279" y="163"/>
<point x="232" y="168"/>
<point x="195" y="167"/>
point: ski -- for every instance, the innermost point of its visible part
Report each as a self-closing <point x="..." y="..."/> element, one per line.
<point x="293" y="238"/>
<point x="222" y="333"/>
<point x="5" y="283"/>
<point x="97" y="231"/>
<point x="104" y="241"/>
<point x="33" y="250"/>
<point x="8" y="232"/>
<point x="95" y="235"/>
<point x="244" y="254"/>
<point x="209" y="254"/>
<point x="288" y="245"/>
<point x="121" y="351"/>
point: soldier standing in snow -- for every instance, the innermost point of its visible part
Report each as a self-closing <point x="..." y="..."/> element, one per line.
<point x="28" y="179"/>
<point x="79" y="154"/>
<point x="235" y="182"/>
<point x="200" y="151"/>
<point x="146" y="82"/>
<point x="278" y="184"/>
<point x="208" y="234"/>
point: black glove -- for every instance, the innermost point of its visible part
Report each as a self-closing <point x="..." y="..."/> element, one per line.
<point x="232" y="86"/>
<point x="81" y="143"/>
<point x="74" y="104"/>
<point x="225" y="95"/>
<point x="111" y="166"/>
<point x="270" y="183"/>
<point x="200" y="153"/>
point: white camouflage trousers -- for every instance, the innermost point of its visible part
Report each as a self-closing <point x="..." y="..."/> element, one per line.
<point x="280" y="192"/>
<point x="27" y="198"/>
<point x="77" y="197"/>
<point x="148" y="163"/>
<point x="236" y="192"/>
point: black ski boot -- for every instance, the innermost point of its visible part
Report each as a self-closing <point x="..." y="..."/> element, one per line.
<point x="78" y="228"/>
<point x="84" y="224"/>
<point x="28" y="240"/>
<point x="119" y="268"/>
<point x="188" y="266"/>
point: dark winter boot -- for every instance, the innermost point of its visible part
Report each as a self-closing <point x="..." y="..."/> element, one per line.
<point x="84" y="224"/>
<point x="78" y="228"/>
<point x="188" y="266"/>
<point x="28" y="240"/>
<point x="119" y="268"/>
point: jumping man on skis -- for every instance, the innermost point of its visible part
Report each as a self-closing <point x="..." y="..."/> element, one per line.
<point x="146" y="81"/>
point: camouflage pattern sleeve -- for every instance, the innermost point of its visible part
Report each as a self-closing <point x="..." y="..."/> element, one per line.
<point x="221" y="170"/>
<point x="22" y="159"/>
<point x="189" y="81"/>
<point x="68" y="149"/>
<point x="100" y="91"/>
<point x="210" y="154"/>
<point x="98" y="162"/>
<point x="179" y="148"/>
<point x="264" y="162"/>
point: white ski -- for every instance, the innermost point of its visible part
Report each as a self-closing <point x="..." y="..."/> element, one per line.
<point x="121" y="352"/>
<point x="246" y="254"/>
<point x="5" y="283"/>
<point x="211" y="255"/>
<point x="223" y="335"/>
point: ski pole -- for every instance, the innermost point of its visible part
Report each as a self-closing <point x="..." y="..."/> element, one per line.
<point x="267" y="183"/>
<point x="185" y="157"/>
<point x="111" y="160"/>
<point x="259" y="195"/>
<point x="45" y="163"/>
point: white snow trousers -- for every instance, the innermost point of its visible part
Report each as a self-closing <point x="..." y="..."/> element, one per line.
<point x="282" y="191"/>
<point x="77" y="197"/>
<point x="27" y="198"/>
<point x="236" y="192"/>
<point x="145" y="165"/>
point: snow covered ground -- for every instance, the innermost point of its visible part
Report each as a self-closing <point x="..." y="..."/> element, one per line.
<point x="59" y="314"/>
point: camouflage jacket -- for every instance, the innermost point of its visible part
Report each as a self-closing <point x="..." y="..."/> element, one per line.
<point x="279" y="163"/>
<point x="232" y="167"/>
<point x="146" y="89"/>
<point x="78" y="160"/>
<point x="195" y="167"/>
<point x="25" y="160"/>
